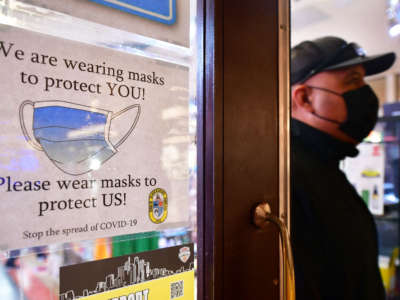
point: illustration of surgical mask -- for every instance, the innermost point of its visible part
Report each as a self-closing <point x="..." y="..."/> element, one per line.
<point x="74" y="137"/>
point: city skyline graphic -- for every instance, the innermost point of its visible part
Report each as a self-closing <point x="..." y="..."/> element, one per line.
<point x="134" y="270"/>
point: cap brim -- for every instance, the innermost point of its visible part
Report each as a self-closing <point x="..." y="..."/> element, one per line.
<point x="372" y="64"/>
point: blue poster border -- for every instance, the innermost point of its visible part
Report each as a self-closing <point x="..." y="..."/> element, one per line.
<point x="148" y="14"/>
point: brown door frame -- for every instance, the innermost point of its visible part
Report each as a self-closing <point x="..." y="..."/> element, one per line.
<point x="243" y="138"/>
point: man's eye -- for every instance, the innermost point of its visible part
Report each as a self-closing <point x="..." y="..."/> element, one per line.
<point x="355" y="80"/>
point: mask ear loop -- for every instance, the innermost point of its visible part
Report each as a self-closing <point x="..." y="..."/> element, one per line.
<point x="325" y="90"/>
<point x="328" y="91"/>
<point x="133" y="125"/>
<point x="326" y="119"/>
<point x="31" y="141"/>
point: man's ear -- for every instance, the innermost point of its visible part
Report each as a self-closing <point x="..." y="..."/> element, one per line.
<point x="301" y="98"/>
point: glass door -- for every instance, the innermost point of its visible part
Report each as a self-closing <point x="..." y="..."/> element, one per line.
<point x="99" y="155"/>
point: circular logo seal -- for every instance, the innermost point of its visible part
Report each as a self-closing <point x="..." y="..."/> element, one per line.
<point x="158" y="205"/>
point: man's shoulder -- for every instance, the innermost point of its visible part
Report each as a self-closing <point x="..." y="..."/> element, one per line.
<point x="309" y="169"/>
<point x="301" y="156"/>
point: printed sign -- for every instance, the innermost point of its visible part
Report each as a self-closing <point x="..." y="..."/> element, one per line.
<point x="165" y="20"/>
<point x="94" y="142"/>
<point x="159" y="274"/>
<point x="163" y="11"/>
<point x="366" y="173"/>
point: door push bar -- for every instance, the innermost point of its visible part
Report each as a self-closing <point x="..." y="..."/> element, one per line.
<point x="262" y="217"/>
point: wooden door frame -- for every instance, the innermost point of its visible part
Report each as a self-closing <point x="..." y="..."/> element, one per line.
<point x="210" y="149"/>
<point x="215" y="26"/>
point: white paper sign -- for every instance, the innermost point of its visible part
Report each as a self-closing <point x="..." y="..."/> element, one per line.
<point x="366" y="173"/>
<point x="93" y="142"/>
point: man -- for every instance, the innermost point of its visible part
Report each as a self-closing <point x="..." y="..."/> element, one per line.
<point x="333" y="233"/>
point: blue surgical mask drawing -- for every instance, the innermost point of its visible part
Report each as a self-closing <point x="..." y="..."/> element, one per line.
<point x="76" y="138"/>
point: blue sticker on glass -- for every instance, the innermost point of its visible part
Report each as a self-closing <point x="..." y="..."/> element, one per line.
<point x="163" y="11"/>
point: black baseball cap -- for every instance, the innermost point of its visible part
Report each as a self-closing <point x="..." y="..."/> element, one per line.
<point x="330" y="53"/>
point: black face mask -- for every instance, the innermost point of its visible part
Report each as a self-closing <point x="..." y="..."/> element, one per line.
<point x="362" y="111"/>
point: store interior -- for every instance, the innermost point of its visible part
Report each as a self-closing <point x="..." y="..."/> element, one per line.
<point x="375" y="26"/>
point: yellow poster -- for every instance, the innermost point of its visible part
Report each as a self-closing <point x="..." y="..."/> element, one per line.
<point x="162" y="274"/>
<point x="180" y="286"/>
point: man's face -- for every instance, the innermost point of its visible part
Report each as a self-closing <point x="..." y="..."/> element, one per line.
<point x="340" y="81"/>
<point x="308" y="102"/>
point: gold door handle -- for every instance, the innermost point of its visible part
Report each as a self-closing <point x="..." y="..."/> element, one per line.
<point x="262" y="216"/>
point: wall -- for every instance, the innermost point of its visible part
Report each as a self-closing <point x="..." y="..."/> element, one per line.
<point x="360" y="21"/>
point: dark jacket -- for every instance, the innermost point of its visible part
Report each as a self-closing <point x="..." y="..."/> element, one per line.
<point x="333" y="233"/>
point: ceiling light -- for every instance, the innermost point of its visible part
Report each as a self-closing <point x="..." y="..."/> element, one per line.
<point x="393" y="15"/>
